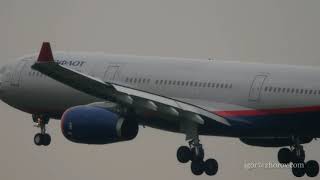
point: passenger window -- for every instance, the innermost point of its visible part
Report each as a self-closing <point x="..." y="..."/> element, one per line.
<point x="187" y="83"/>
<point x="127" y="79"/>
<point x="169" y="82"/>
<point x="310" y="91"/>
<point x="174" y="83"/>
<point x="144" y="80"/>
<point x="157" y="81"/>
<point x="217" y="85"/>
<point x="292" y="90"/>
<point x="200" y="84"/>
<point x="195" y="84"/>
<point x="270" y="89"/>
<point x="139" y="81"/>
<point x="161" y="81"/>
<point x="230" y="86"/>
<point x="288" y="90"/>
<point x="204" y="84"/>
<point x="182" y="83"/>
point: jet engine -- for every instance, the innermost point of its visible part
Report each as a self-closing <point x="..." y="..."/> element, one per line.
<point x="96" y="125"/>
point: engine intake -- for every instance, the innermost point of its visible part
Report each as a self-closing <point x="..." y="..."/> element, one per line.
<point x="96" y="125"/>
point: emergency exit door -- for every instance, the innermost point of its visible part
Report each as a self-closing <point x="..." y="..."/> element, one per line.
<point x="256" y="87"/>
<point x="112" y="73"/>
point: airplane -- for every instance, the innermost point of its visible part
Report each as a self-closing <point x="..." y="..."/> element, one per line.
<point x="103" y="99"/>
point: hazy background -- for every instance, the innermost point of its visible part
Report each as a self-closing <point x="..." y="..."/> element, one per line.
<point x="269" y="31"/>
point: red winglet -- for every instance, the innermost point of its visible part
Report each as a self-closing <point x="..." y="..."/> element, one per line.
<point x="45" y="54"/>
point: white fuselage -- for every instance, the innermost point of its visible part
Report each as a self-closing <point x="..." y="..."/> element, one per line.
<point x="215" y="85"/>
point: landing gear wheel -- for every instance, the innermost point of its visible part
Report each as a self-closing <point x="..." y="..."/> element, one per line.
<point x="184" y="154"/>
<point x="197" y="167"/>
<point x="211" y="167"/>
<point x="298" y="171"/>
<point x="38" y="139"/>
<point x="46" y="139"/>
<point x="312" y="168"/>
<point x="284" y="156"/>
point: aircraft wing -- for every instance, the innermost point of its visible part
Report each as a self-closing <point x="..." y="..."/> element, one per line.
<point x="123" y="95"/>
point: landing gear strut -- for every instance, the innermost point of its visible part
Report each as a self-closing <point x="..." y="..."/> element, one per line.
<point x="41" y="138"/>
<point x="296" y="155"/>
<point x="195" y="154"/>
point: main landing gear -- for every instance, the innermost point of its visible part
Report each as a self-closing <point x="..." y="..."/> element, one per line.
<point x="195" y="154"/>
<point x="296" y="155"/>
<point x="41" y="138"/>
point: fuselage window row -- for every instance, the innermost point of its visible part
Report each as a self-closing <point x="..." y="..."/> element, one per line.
<point x="291" y="90"/>
<point x="180" y="83"/>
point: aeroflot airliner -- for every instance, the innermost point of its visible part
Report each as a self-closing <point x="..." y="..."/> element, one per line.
<point x="102" y="99"/>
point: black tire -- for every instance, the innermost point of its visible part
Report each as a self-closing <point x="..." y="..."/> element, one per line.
<point x="284" y="156"/>
<point x="312" y="168"/>
<point x="184" y="154"/>
<point x="299" y="158"/>
<point x="46" y="139"/>
<point x="38" y="139"/>
<point x="298" y="171"/>
<point x="211" y="167"/>
<point x="197" y="167"/>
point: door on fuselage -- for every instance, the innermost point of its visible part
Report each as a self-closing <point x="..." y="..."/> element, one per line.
<point x="16" y="73"/>
<point x="256" y="87"/>
<point x="112" y="73"/>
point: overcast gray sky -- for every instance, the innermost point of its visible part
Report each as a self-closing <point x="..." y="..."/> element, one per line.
<point x="268" y="31"/>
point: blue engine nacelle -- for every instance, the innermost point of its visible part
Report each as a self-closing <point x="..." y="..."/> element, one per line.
<point x="96" y="125"/>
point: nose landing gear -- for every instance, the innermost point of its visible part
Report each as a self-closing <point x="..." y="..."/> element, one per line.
<point x="41" y="138"/>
